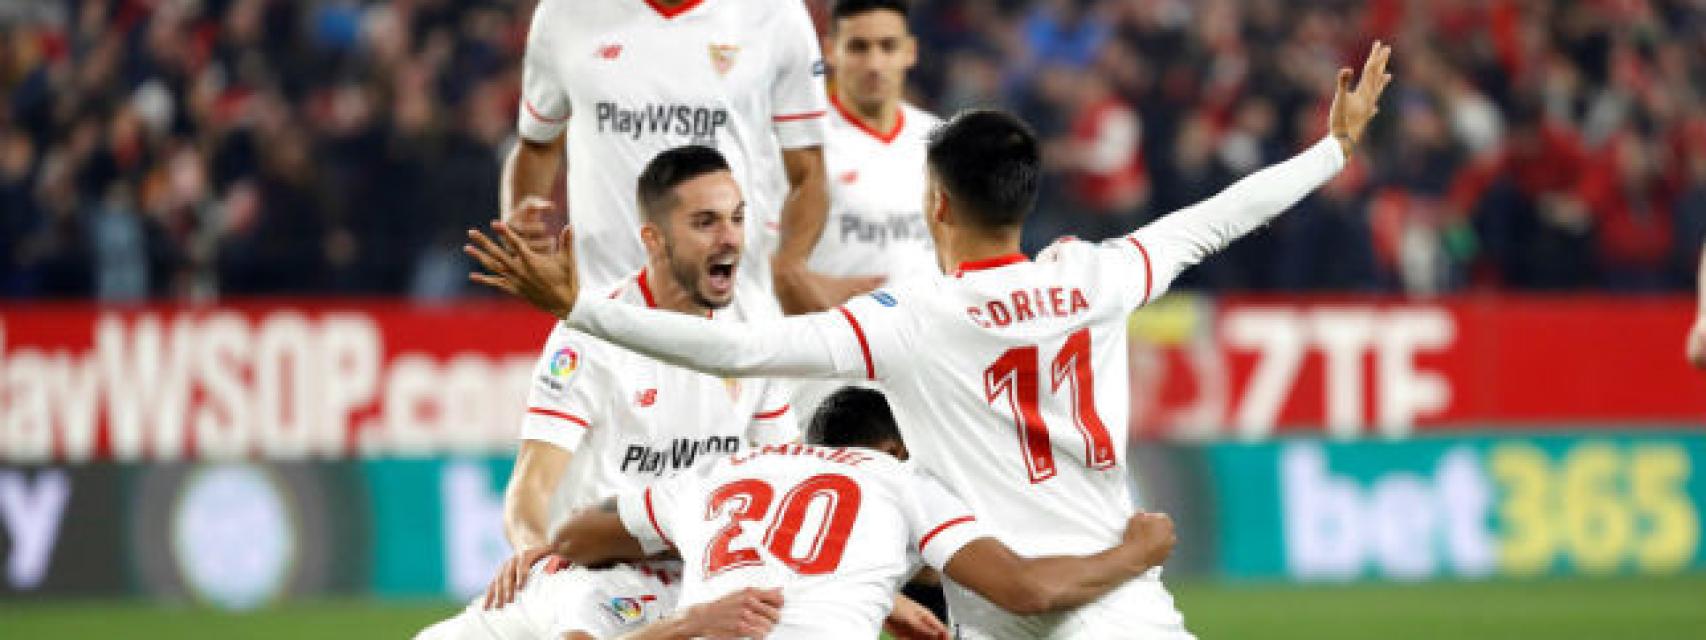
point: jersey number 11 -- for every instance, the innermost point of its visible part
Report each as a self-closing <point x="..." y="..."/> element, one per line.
<point x="1014" y="376"/>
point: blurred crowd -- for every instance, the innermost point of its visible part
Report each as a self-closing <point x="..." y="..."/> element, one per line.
<point x="199" y="148"/>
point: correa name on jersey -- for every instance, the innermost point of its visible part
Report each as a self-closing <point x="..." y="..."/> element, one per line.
<point x="880" y="229"/>
<point x="661" y="119"/>
<point x="1025" y="305"/>
<point x="680" y="454"/>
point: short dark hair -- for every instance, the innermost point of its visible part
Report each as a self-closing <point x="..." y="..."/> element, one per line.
<point x="666" y="171"/>
<point x="853" y="417"/>
<point x="990" y="165"/>
<point x="850" y="8"/>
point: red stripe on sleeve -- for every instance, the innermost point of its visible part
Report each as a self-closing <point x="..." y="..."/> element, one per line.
<point x="864" y="346"/>
<point x="653" y="516"/>
<point x="1148" y="274"/>
<point x="552" y="413"/>
<point x="790" y="117"/>
<point x="925" y="541"/>
<point x="773" y="413"/>
<point x="528" y="105"/>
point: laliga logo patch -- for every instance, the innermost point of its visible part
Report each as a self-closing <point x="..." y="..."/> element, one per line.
<point x="629" y="610"/>
<point x="564" y="362"/>
<point x="884" y="298"/>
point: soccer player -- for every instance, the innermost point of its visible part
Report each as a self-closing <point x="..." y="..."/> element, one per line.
<point x="602" y="419"/>
<point x="616" y="82"/>
<point x="874" y="149"/>
<point x="838" y="526"/>
<point x="876" y="519"/>
<point x="1008" y="376"/>
<point x="874" y="154"/>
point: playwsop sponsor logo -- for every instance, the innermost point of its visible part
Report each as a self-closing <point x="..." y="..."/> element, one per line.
<point x="1464" y="507"/>
<point x="679" y="453"/>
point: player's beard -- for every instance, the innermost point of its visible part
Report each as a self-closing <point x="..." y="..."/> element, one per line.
<point x="689" y="277"/>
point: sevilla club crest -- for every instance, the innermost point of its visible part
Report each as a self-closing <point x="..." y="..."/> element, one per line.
<point x="723" y="57"/>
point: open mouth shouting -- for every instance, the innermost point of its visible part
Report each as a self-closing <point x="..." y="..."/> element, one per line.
<point x="720" y="274"/>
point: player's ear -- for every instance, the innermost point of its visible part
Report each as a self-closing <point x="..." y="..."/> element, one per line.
<point x="938" y="205"/>
<point x="651" y="236"/>
<point x="909" y="52"/>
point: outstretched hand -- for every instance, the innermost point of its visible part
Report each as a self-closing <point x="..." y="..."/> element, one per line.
<point x="547" y="281"/>
<point x="1354" y="108"/>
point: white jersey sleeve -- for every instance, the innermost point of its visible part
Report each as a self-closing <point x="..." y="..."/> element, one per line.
<point x="797" y="98"/>
<point x="819" y="345"/>
<point x="776" y="421"/>
<point x="649" y="513"/>
<point x="544" y="111"/>
<point x="940" y="522"/>
<point x="566" y="390"/>
<point x="1163" y="249"/>
<point x="882" y="332"/>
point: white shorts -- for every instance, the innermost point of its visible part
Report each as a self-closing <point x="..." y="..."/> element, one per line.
<point x="1139" y="610"/>
<point x="604" y="603"/>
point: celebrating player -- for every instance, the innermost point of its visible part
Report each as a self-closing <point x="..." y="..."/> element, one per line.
<point x="601" y="419"/>
<point x="1009" y="376"/>
<point x="874" y="150"/>
<point x="617" y="82"/>
<point x="877" y="519"/>
<point x="874" y="154"/>
<point x="838" y="527"/>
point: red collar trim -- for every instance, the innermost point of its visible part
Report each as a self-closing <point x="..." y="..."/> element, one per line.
<point x="989" y="263"/>
<point x="885" y="138"/>
<point x="669" y="12"/>
<point x="646" y="290"/>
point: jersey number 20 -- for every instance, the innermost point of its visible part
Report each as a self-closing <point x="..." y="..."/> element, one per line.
<point x="749" y="499"/>
<point x="1014" y="377"/>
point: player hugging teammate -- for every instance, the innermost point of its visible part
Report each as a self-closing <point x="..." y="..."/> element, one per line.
<point x="1006" y="376"/>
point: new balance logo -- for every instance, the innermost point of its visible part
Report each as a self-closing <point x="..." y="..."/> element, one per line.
<point x="646" y="398"/>
<point x="610" y="51"/>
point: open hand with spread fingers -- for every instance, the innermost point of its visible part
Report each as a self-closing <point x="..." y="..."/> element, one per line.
<point x="545" y="280"/>
<point x="1354" y="108"/>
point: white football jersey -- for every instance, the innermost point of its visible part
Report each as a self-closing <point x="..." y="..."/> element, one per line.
<point x="1008" y="380"/>
<point x="838" y="530"/>
<point x="876" y="223"/>
<point x="629" y="79"/>
<point x="631" y="420"/>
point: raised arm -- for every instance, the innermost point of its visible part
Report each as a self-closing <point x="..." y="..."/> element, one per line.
<point x="1040" y="585"/>
<point x="1183" y="238"/>
<point x="798" y="346"/>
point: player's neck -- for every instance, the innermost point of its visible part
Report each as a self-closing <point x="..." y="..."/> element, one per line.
<point x="968" y="246"/>
<point x="664" y="292"/>
<point x="880" y="116"/>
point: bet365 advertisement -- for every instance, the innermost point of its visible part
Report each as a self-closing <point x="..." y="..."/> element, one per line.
<point x="1464" y="507"/>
